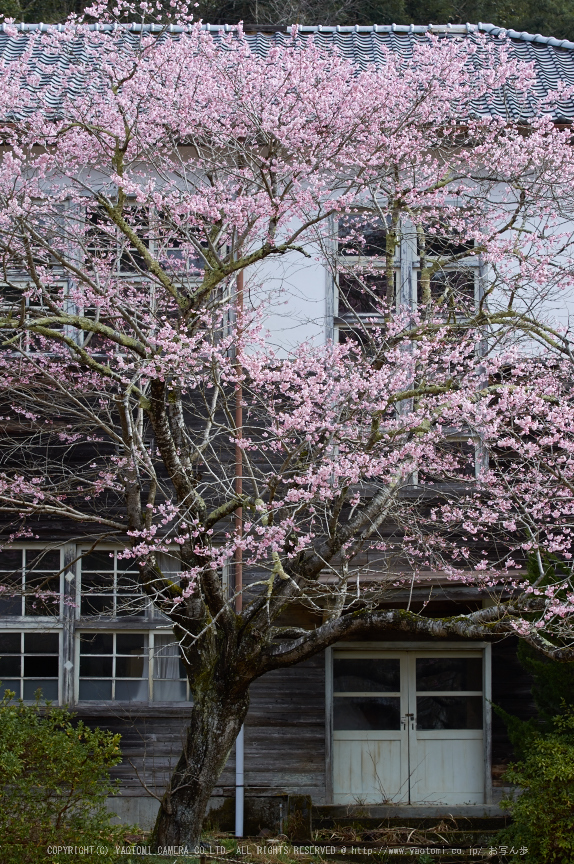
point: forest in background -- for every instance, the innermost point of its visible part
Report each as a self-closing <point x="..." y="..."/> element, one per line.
<point x="548" y="17"/>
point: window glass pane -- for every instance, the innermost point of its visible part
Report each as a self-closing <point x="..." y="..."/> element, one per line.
<point x="45" y="667"/>
<point x="41" y="643"/>
<point x="361" y="294"/>
<point x="132" y="691"/>
<point x="96" y="667"/>
<point x="95" y="690"/>
<point x="449" y="673"/>
<point x="128" y="580"/>
<point x="127" y="564"/>
<point x="9" y="643"/>
<point x="130" y="604"/>
<point x="97" y="605"/>
<point x="444" y="242"/>
<point x="45" y="606"/>
<point x="13" y="686"/>
<point x="98" y="583"/>
<point x="11" y="560"/>
<point x="9" y="666"/>
<point x="130" y="643"/>
<point x="169" y="691"/>
<point x="360" y="236"/>
<point x="449" y="288"/>
<point x="11" y="581"/>
<point x="10" y="605"/>
<point x="42" y="594"/>
<point x="370" y="675"/>
<point x="98" y="561"/>
<point x="167" y="662"/>
<point x="96" y="643"/>
<point x="131" y="260"/>
<point x="130" y="667"/>
<point x="367" y="713"/>
<point x="37" y="559"/>
<point x="49" y="690"/>
<point x="449" y="712"/>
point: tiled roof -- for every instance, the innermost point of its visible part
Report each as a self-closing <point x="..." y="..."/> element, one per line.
<point x="363" y="45"/>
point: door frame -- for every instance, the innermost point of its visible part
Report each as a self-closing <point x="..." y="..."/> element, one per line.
<point x="484" y="647"/>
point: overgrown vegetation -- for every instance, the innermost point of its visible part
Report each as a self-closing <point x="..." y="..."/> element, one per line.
<point x="542" y="809"/>
<point x="54" y="780"/>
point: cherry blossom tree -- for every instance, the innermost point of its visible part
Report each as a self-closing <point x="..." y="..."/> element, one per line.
<point x="143" y="184"/>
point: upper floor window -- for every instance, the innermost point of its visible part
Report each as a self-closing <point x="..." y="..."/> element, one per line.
<point x="31" y="580"/>
<point x="109" y="585"/>
<point x="458" y="461"/>
<point x="176" y="245"/>
<point x="361" y="236"/>
<point x="446" y="289"/>
<point x="361" y="294"/>
<point x="441" y="260"/>
<point x="106" y="245"/>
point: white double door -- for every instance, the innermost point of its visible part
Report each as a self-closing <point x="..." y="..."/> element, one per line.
<point x="408" y="727"/>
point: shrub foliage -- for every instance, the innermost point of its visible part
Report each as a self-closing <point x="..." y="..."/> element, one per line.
<point x="54" y="779"/>
<point x="542" y="807"/>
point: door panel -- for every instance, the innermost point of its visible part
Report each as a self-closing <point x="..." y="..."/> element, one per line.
<point x="446" y="743"/>
<point x="370" y="771"/>
<point x="447" y="770"/>
<point x="370" y="740"/>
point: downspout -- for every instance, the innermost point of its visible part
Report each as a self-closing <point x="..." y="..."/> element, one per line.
<point x="239" y="743"/>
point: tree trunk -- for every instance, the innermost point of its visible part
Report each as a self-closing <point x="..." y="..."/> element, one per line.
<point x="216" y="719"/>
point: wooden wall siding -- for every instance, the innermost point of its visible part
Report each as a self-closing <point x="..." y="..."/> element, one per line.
<point x="151" y="744"/>
<point x="284" y="738"/>
<point x="285" y="734"/>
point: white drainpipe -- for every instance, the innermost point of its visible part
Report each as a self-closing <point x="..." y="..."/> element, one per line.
<point x="239" y="783"/>
<point x="239" y="743"/>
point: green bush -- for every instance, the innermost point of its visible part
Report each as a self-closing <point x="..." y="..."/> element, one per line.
<point x="543" y="810"/>
<point x="54" y="779"/>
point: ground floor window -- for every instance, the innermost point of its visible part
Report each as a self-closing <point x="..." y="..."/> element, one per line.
<point x="131" y="667"/>
<point x="30" y="662"/>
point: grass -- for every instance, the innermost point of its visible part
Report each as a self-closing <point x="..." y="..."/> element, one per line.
<point x="279" y="850"/>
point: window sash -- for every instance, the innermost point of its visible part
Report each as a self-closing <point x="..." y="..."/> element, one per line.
<point x="162" y="677"/>
<point x="20" y="600"/>
<point x="30" y="677"/>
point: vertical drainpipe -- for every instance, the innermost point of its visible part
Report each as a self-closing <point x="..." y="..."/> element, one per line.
<point x="239" y="743"/>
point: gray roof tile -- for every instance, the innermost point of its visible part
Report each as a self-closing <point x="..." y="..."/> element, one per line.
<point x="553" y="58"/>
